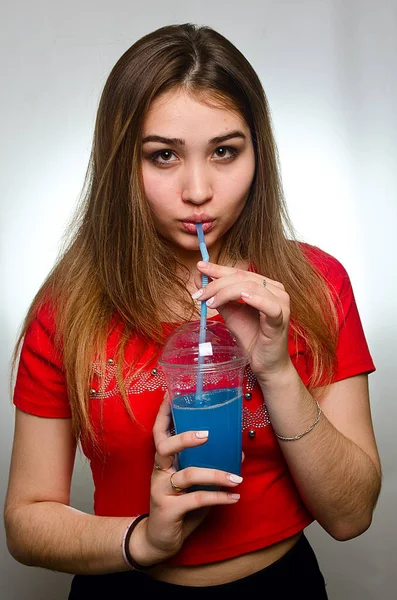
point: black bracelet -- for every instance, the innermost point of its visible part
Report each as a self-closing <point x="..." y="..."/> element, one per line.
<point x="126" y="542"/>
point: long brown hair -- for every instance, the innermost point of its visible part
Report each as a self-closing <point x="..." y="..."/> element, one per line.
<point x="115" y="263"/>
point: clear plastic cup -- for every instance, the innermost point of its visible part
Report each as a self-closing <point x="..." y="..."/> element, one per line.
<point x="205" y="383"/>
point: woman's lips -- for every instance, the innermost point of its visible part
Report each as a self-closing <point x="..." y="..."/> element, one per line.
<point x="191" y="227"/>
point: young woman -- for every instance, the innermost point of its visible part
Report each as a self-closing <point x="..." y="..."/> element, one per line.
<point x="183" y="135"/>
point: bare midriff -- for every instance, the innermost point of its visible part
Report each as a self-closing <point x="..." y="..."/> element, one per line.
<point x="224" y="571"/>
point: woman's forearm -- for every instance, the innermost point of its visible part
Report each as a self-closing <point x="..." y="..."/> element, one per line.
<point x="55" y="536"/>
<point x="336" y="479"/>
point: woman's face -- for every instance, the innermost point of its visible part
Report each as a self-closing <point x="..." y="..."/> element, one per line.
<point x="198" y="164"/>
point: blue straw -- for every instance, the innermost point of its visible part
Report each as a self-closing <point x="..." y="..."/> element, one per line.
<point x="203" y="311"/>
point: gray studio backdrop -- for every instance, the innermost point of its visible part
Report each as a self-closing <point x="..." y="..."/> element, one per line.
<point x="329" y="69"/>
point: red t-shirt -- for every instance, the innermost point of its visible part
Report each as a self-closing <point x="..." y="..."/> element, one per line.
<point x="270" y="508"/>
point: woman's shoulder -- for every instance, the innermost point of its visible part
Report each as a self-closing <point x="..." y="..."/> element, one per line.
<point x="325" y="263"/>
<point x="43" y="314"/>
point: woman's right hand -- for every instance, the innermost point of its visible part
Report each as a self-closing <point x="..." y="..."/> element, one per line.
<point x="175" y="513"/>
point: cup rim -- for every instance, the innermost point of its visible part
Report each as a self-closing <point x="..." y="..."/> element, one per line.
<point x="229" y="365"/>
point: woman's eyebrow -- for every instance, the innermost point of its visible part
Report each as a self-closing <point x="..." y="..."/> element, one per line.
<point x="179" y="142"/>
<point x="223" y="138"/>
<point x="163" y="140"/>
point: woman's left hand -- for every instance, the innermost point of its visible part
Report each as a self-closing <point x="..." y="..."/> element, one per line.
<point x="260" y="323"/>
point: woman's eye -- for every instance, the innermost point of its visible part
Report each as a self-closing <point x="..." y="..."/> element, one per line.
<point x="225" y="152"/>
<point x="162" y="157"/>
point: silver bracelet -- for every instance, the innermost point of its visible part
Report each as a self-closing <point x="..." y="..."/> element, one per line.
<point x="298" y="437"/>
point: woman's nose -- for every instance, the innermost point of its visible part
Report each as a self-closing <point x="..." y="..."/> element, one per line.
<point x="197" y="186"/>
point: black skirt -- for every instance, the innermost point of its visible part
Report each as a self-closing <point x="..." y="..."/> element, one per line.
<point x="294" y="575"/>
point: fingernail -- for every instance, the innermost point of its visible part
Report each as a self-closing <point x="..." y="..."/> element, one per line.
<point x="235" y="478"/>
<point x="245" y="295"/>
<point x="234" y="496"/>
<point x="202" y="434"/>
<point x="210" y="301"/>
<point x="202" y="264"/>
<point x="197" y="294"/>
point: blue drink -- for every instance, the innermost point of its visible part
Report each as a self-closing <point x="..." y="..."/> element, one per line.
<point x="205" y="382"/>
<point x="220" y="412"/>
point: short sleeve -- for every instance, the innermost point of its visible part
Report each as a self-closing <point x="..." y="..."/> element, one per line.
<point x="40" y="387"/>
<point x="352" y="353"/>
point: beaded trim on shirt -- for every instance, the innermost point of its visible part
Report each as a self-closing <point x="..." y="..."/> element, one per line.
<point x="154" y="379"/>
